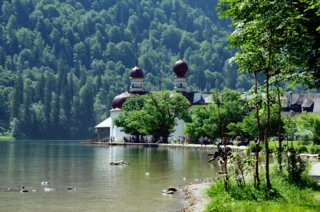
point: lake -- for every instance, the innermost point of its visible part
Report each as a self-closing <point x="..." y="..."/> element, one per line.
<point x="99" y="186"/>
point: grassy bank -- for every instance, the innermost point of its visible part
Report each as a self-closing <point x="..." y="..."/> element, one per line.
<point x="300" y="147"/>
<point x="283" y="196"/>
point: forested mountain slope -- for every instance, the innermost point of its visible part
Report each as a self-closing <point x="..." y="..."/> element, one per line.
<point x="62" y="62"/>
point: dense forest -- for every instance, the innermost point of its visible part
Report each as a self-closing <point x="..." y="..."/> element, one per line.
<point x="63" y="61"/>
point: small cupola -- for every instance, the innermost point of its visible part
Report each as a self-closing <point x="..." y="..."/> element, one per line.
<point x="136" y="79"/>
<point x="180" y="68"/>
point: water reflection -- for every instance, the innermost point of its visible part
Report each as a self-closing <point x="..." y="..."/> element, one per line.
<point x="100" y="187"/>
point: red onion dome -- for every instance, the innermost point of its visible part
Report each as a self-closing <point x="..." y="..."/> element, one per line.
<point x="119" y="100"/>
<point x="180" y="68"/>
<point x="136" y="72"/>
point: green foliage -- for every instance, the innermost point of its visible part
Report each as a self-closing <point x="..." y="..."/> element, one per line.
<point x="315" y="149"/>
<point x="132" y="116"/>
<point x="295" y="167"/>
<point x="310" y="122"/>
<point x="241" y="168"/>
<point x="301" y="149"/>
<point x="248" y="126"/>
<point x="306" y="139"/>
<point x="225" y="109"/>
<point x="252" y="147"/>
<point x="195" y="129"/>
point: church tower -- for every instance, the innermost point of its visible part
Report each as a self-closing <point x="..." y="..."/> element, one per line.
<point x="136" y="80"/>
<point x="180" y="68"/>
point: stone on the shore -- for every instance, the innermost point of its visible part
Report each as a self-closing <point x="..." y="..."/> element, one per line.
<point x="170" y="190"/>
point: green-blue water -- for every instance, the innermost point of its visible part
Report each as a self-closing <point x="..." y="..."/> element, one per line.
<point x="100" y="187"/>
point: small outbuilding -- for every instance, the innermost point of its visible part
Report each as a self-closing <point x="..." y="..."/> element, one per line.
<point x="103" y="129"/>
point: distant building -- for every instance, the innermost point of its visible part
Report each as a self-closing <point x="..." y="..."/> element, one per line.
<point x="294" y="104"/>
<point x="180" y="68"/>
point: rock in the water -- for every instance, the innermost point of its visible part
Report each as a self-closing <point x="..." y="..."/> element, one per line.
<point x="170" y="192"/>
<point x="172" y="189"/>
<point x="70" y="188"/>
<point x="119" y="163"/>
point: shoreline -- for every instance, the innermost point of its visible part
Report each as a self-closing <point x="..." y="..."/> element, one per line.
<point x="194" y="196"/>
<point x="168" y="146"/>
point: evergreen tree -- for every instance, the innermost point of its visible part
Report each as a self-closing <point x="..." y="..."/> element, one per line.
<point x="27" y="125"/>
<point x="17" y="97"/>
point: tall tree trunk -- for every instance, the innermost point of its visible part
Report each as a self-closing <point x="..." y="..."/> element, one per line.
<point x="256" y="177"/>
<point x="266" y="134"/>
<point x="279" y="129"/>
<point x="224" y="139"/>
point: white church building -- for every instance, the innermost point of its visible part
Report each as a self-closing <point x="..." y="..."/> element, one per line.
<point x="107" y="128"/>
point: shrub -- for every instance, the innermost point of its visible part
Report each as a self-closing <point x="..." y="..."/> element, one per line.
<point x="252" y="147"/>
<point x="295" y="168"/>
<point x="272" y="149"/>
<point x="314" y="149"/>
<point x="301" y="149"/>
<point x="306" y="139"/>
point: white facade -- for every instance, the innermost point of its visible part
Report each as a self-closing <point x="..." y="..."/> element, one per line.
<point x="118" y="135"/>
<point x="115" y="132"/>
<point x="178" y="130"/>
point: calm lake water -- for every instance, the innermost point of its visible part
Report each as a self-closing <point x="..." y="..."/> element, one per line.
<point x="100" y="187"/>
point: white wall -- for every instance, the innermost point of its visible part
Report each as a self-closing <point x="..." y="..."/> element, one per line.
<point x="116" y="131"/>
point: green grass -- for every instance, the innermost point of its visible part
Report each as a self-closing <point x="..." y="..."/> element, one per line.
<point x="6" y="137"/>
<point x="297" y="145"/>
<point x="284" y="198"/>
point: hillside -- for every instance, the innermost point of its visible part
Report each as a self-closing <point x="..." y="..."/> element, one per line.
<point x="62" y="62"/>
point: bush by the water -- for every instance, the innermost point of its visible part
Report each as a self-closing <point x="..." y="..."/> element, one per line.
<point x="298" y="146"/>
<point x="252" y="147"/>
<point x="301" y="149"/>
<point x="314" y="149"/>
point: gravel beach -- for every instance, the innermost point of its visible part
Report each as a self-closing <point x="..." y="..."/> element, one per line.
<point x="195" y="197"/>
